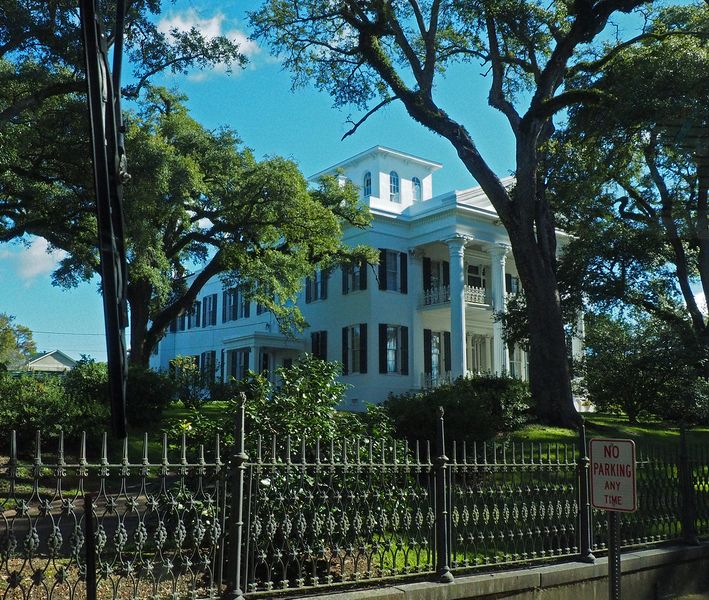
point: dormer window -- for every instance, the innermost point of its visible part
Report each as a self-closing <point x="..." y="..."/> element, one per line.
<point x="416" y="187"/>
<point x="394" y="187"/>
<point x="367" y="184"/>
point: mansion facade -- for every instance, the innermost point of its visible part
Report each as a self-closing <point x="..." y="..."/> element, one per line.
<point x="423" y="315"/>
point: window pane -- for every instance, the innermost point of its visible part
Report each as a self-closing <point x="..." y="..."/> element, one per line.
<point x="392" y="349"/>
<point x="416" y="184"/>
<point x="394" y="186"/>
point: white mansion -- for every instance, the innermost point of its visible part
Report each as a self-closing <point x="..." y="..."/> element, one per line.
<point x="423" y="315"/>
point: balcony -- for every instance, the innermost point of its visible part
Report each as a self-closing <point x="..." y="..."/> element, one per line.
<point x="441" y="295"/>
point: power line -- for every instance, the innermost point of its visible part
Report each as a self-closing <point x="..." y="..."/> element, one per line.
<point x="66" y="333"/>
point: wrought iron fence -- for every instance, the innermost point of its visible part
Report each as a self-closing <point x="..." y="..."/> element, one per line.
<point x="313" y="514"/>
<point x="158" y="524"/>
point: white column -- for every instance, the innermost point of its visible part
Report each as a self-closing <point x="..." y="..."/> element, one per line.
<point x="416" y="349"/>
<point x="254" y="352"/>
<point x="577" y="341"/>
<point x="456" y="248"/>
<point x="498" y="256"/>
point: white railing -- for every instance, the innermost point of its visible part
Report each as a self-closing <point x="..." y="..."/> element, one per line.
<point x="429" y="381"/>
<point x="437" y="295"/>
<point x="476" y="295"/>
<point x="442" y="295"/>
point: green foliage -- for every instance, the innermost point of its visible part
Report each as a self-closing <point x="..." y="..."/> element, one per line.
<point x="16" y="343"/>
<point x="148" y="393"/>
<point x="641" y="367"/>
<point x="88" y="382"/>
<point x="190" y="384"/>
<point x="28" y="404"/>
<point x="303" y="404"/>
<point x="474" y="408"/>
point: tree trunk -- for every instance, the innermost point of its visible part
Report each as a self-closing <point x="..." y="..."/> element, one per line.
<point x="549" y="376"/>
<point x="139" y="296"/>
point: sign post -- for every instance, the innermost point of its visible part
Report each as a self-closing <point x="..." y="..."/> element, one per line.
<point x="613" y="489"/>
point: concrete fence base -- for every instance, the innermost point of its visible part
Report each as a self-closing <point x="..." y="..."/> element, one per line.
<point x="657" y="574"/>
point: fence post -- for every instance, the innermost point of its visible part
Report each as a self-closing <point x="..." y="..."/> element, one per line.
<point x="689" y="528"/>
<point x="585" y="531"/>
<point x="90" y="540"/>
<point x="236" y="522"/>
<point x="442" y="524"/>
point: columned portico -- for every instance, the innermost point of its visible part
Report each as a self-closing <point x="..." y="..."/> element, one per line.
<point x="456" y="248"/>
<point x="498" y="257"/>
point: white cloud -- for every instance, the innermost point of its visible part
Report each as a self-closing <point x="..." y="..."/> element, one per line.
<point x="210" y="27"/>
<point x="30" y="262"/>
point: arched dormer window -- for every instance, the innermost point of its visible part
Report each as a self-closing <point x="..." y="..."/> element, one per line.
<point x="367" y="184"/>
<point x="416" y="186"/>
<point x="394" y="187"/>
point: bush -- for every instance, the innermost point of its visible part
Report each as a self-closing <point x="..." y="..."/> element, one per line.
<point x="28" y="404"/>
<point x="148" y="393"/>
<point x="87" y="382"/>
<point x="302" y="405"/>
<point x="475" y="409"/>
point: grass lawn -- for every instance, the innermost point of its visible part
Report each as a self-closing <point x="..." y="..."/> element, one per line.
<point x="649" y="433"/>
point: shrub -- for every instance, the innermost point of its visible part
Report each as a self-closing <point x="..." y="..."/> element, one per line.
<point x="148" y="393"/>
<point x="28" y="404"/>
<point x="87" y="382"/>
<point x="475" y="409"/>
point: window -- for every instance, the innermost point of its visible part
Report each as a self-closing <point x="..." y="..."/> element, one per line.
<point x="265" y="362"/>
<point x="416" y="189"/>
<point x="393" y="270"/>
<point x="237" y="364"/>
<point x="394" y="187"/>
<point x="477" y="276"/>
<point x="354" y="349"/>
<point x="512" y="285"/>
<point x="316" y="286"/>
<point x="516" y="361"/>
<point x="367" y="185"/>
<point x="260" y="308"/>
<point x="193" y="318"/>
<point x="318" y="344"/>
<point x="209" y="310"/>
<point x="235" y="305"/>
<point x="173" y="326"/>
<point x="393" y="349"/>
<point x="436" y="353"/>
<point x="354" y="277"/>
<point x="436" y="273"/>
<point x="208" y="364"/>
<point x="181" y="322"/>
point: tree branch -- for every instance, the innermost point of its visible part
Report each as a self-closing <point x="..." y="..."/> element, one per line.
<point x="369" y="113"/>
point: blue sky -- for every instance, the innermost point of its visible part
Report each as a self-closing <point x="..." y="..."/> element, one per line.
<point x="272" y="120"/>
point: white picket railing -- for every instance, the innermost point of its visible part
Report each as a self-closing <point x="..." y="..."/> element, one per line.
<point x="442" y="295"/>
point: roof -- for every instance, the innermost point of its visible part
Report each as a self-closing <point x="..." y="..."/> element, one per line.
<point x="40" y="355"/>
<point x="433" y="166"/>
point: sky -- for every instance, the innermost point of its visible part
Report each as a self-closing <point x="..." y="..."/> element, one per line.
<point x="272" y="120"/>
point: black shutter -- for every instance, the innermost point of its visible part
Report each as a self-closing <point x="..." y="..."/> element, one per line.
<point x="324" y="276"/>
<point x="224" y="297"/>
<point x="345" y="353"/>
<point x="447" y="350"/>
<point x="214" y="309"/>
<point x="508" y="282"/>
<point x="323" y="345"/>
<point x="363" y="267"/>
<point x="247" y="360"/>
<point x="446" y="273"/>
<point x="404" y="272"/>
<point x="382" y="269"/>
<point x="173" y="326"/>
<point x="222" y="366"/>
<point x="234" y="295"/>
<point x="382" y="347"/>
<point x="308" y="297"/>
<point x="362" y="347"/>
<point x="204" y="313"/>
<point x="427" y="354"/>
<point x="247" y="308"/>
<point x="426" y="273"/>
<point x="314" y="348"/>
<point x="345" y="273"/>
<point x="404" y="350"/>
